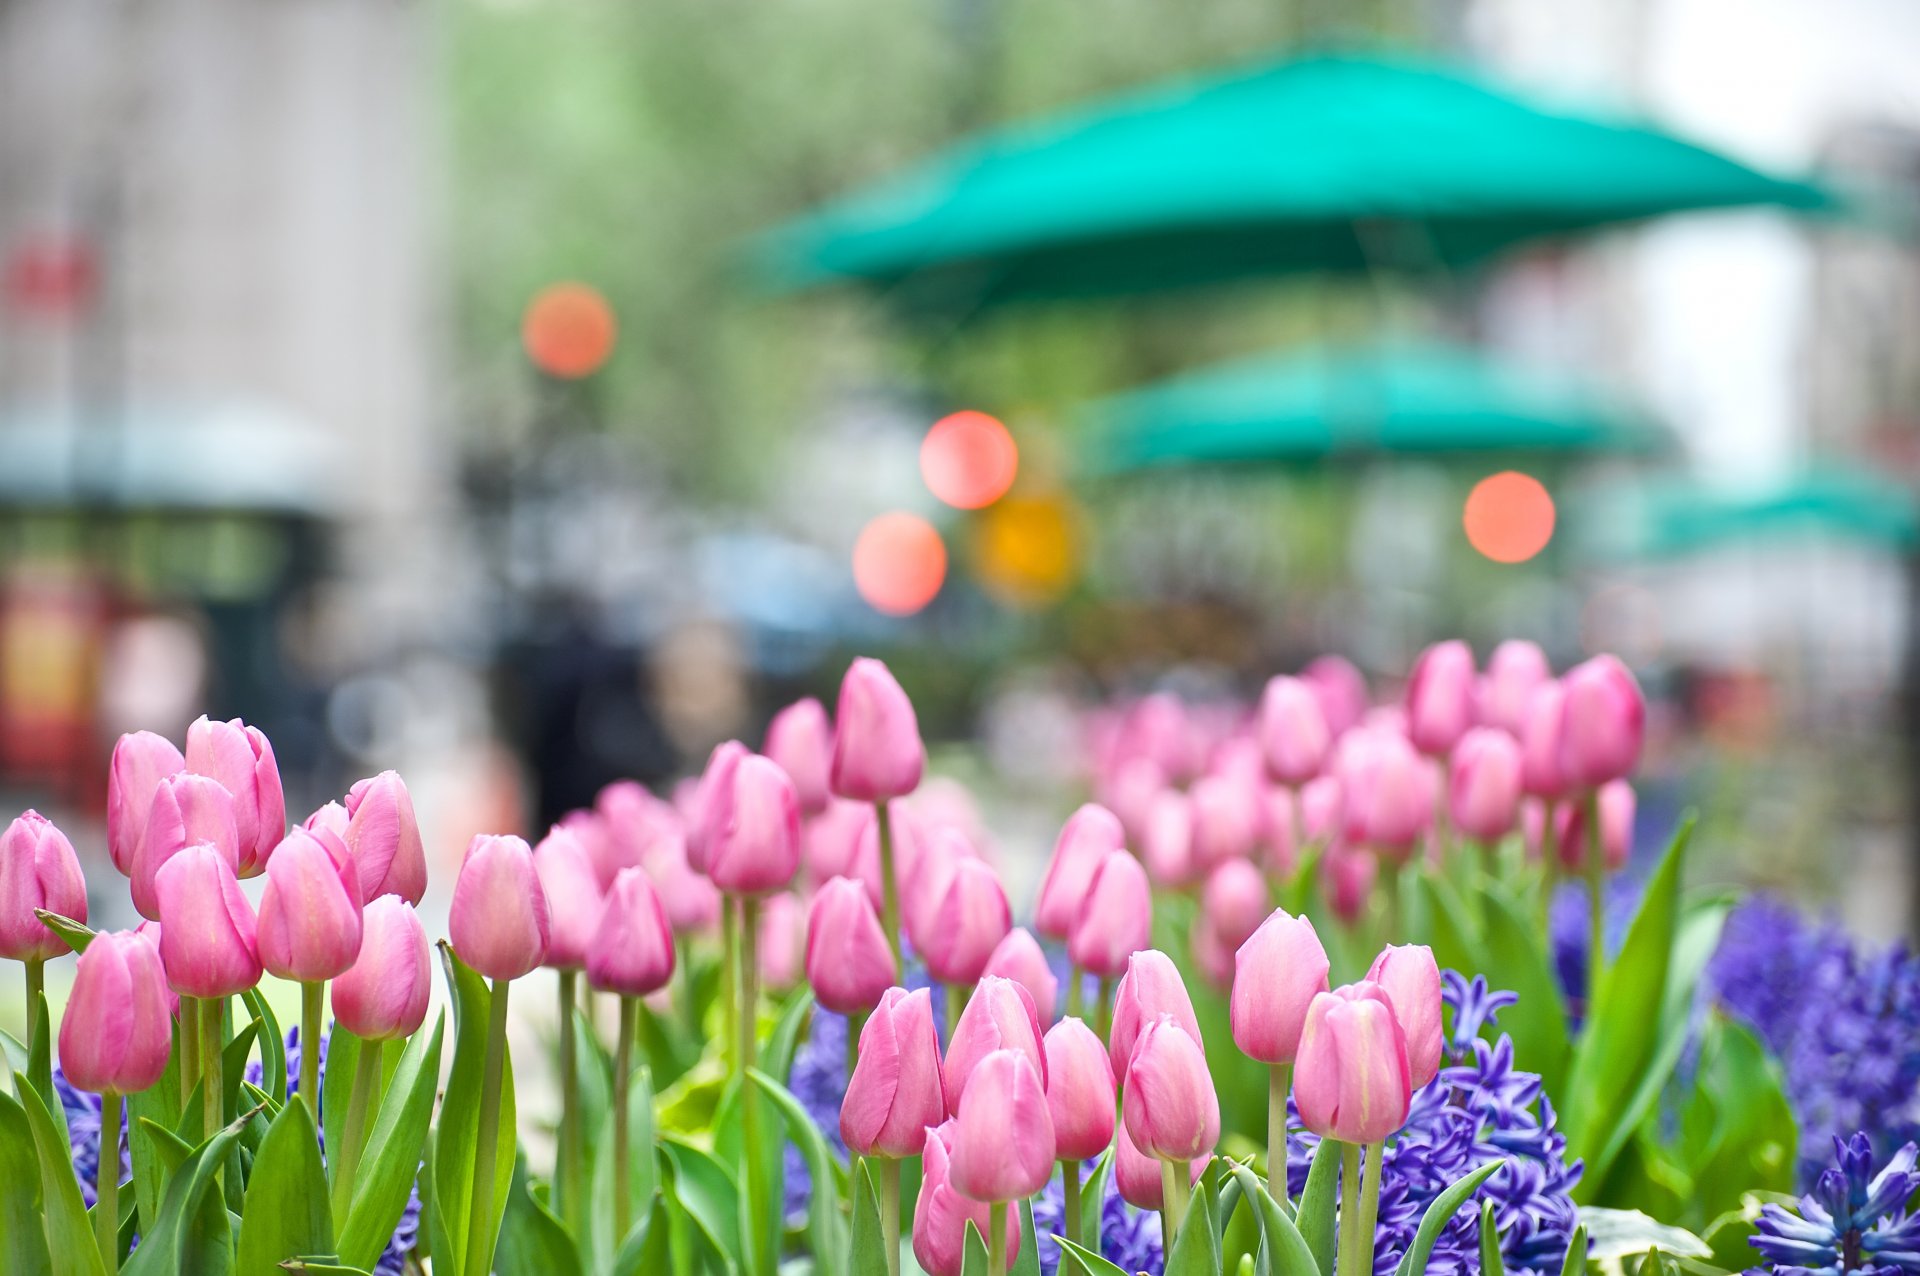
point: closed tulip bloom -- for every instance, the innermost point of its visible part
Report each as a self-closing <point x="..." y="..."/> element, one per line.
<point x="1411" y="980"/>
<point x="1116" y="920"/>
<point x="1086" y="838"/>
<point x="116" y="1032"/>
<point x="1341" y="689"/>
<point x="877" y="754"/>
<point x="1293" y="731"/>
<point x="38" y="869"/>
<point x="1541" y="773"/>
<point x="1348" y="877"/>
<point x="1167" y="845"/>
<point x="1211" y="954"/>
<point x="1617" y="806"/>
<point x="187" y="810"/>
<point x="1159" y="728"/>
<point x="941" y="1214"/>
<point x="141" y="760"/>
<point x="385" y="993"/>
<point x="385" y="840"/>
<point x="962" y="925"/>
<point x="150" y="931"/>
<point x="1440" y="697"/>
<point x="1234" y="902"/>
<point x="1277" y="974"/>
<point x="1483" y="796"/>
<point x="848" y="960"/>
<point x="1169" y="1104"/>
<point x="1280" y="831"/>
<point x="753" y="829"/>
<point x="606" y="853"/>
<point x="1323" y="809"/>
<point x="1079" y="1091"/>
<point x="499" y="922"/>
<point x="999" y="1016"/>
<point x="1604" y="723"/>
<point x="1136" y="1176"/>
<point x="800" y="740"/>
<point x="699" y="812"/>
<point x="624" y="827"/>
<point x="1018" y="957"/>
<point x="1514" y="671"/>
<point x="310" y="927"/>
<point x="1226" y="820"/>
<point x="241" y="759"/>
<point x="572" y="887"/>
<point x="208" y="939"/>
<point x="1390" y="794"/>
<point x="328" y="817"/>
<point x="692" y="900"/>
<point x="781" y="941"/>
<point x="1151" y="987"/>
<point x="895" y="1092"/>
<point x="1351" y="1081"/>
<point x="1003" y="1148"/>
<point x="631" y="951"/>
<point x="844" y="841"/>
<point x="1130" y="791"/>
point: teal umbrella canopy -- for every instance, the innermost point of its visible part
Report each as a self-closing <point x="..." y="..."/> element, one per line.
<point x="1360" y="403"/>
<point x="1325" y="164"/>
<point x="1834" y="500"/>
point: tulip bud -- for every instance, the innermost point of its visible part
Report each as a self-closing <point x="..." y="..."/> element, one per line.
<point x="1169" y="1104"/>
<point x="692" y="902"/>
<point x="625" y="826"/>
<point x="1225" y="819"/>
<point x="1323" y="809"/>
<point x="780" y="940"/>
<point x="1003" y="1146"/>
<point x="187" y="810"/>
<point x="1211" y="954"/>
<point x="140" y="761"/>
<point x="848" y="960"/>
<point x="941" y="1214"/>
<point x="1137" y="1176"/>
<point x="208" y="941"/>
<point x="1293" y="731"/>
<point x="1351" y="1081"/>
<point x="1117" y="919"/>
<point x="310" y="927"/>
<point x="150" y="931"/>
<point x="1079" y="1091"/>
<point x="241" y="759"/>
<point x="1087" y="836"/>
<point x="1440" y="695"/>
<point x="38" y="869"/>
<point x="1617" y="807"/>
<point x="1278" y="972"/>
<point x="753" y="828"/>
<point x="572" y="886"/>
<point x="385" y="994"/>
<point x="1280" y="831"/>
<point x="1167" y="846"/>
<point x="385" y="840"/>
<point x="698" y="811"/>
<point x="631" y="951"/>
<point x="962" y="921"/>
<point x="1541" y="773"/>
<point x="1341" y="690"/>
<point x="877" y="754"/>
<point x="499" y="922"/>
<point x="1234" y="902"/>
<point x="606" y="853"/>
<point x="999" y="1016"/>
<point x="1603" y="725"/>
<point x="1151" y="987"/>
<point x="895" y="1092"/>
<point x="1018" y="957"/>
<point x="116" y="1034"/>
<point x="1348" y="878"/>
<point x="1483" y="796"/>
<point x="1130" y="790"/>
<point x="1514" y="671"/>
<point x="1389" y="792"/>
<point x="800" y="741"/>
<point x="1410" y="978"/>
<point x="844" y="841"/>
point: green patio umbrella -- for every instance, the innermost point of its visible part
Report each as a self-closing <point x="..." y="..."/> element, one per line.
<point x="1834" y="499"/>
<point x="1359" y="403"/>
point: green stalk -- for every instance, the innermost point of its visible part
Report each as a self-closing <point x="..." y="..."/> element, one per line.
<point x="353" y="1136"/>
<point x="1347" y="1254"/>
<point x="1175" y="1184"/>
<point x="622" y="1087"/>
<point x="1103" y="1013"/>
<point x="760" y="1249"/>
<point x="889" y="884"/>
<point x="1596" y="866"/>
<point x="567" y="1152"/>
<point x="1278" y="1079"/>
<point x="1549" y="868"/>
<point x="481" y="1232"/>
<point x="890" y="1212"/>
<point x="313" y="994"/>
<point x="36" y="988"/>
<point x="189" y="1046"/>
<point x="1070" y="1198"/>
<point x="997" y="1242"/>
<point x="729" y="964"/>
<point x="1370" y="1205"/>
<point x="212" y="1041"/>
<point x="106" y="1183"/>
<point x="856" y="1022"/>
<point x="957" y="996"/>
<point x="1074" y="995"/>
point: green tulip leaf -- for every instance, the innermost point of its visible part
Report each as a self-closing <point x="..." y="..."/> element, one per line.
<point x="40" y="1064"/>
<point x="286" y="1213"/>
<point x="867" y="1254"/>
<point x="1517" y="962"/>
<point x="336" y="1085"/>
<point x="1286" y="1249"/>
<point x="189" y="1231"/>
<point x="1438" y="1215"/>
<point x="75" y="935"/>
<point x="1575" y="1263"/>
<point x="23" y="1242"/>
<point x="69" y="1238"/>
<point x="709" y="1195"/>
<point x="321" y="1266"/>
<point x="532" y="1241"/>
<point x="777" y="1059"/>
<point x="646" y="1251"/>
<point x="1491" y="1263"/>
<point x="1028" y="1261"/>
<point x="273" y="1044"/>
<point x="1317" y="1200"/>
<point x="1196" y="1250"/>
<point x="459" y="1241"/>
<point x="395" y="1144"/>
<point x="826" y="1229"/>
<point x="1077" y="1260"/>
<point x="642" y="1175"/>
<point x="233" y="1069"/>
<point x="973" y="1252"/>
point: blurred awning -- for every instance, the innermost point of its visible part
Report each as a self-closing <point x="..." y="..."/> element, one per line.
<point x="1360" y="403"/>
<point x="1684" y="516"/>
<point x="1332" y="163"/>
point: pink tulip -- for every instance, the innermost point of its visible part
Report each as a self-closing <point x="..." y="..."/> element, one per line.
<point x="1483" y="795"/>
<point x="385" y="840"/>
<point x="1541" y="772"/>
<point x="328" y="817"/>
<point x="208" y="940"/>
<point x="877" y="754"/>
<point x="150" y="931"/>
<point x="753" y="828"/>
<point x="1342" y="692"/>
<point x="385" y="994"/>
<point x="1604" y="723"/>
<point x="1225" y="819"/>
<point x="1158" y="728"/>
<point x="999" y="1016"/>
<point x="800" y="741"/>
<point x="1167" y="845"/>
<point x="698" y="812"/>
<point x="1389" y="792"/>
<point x="499" y="922"/>
<point x="1617" y="807"/>
<point x="1169" y="1104"/>
<point x="1117" y="919"/>
<point x="1323" y="809"/>
<point x="961" y="924"/>
<point x="572" y="886"/>
<point x="848" y="960"/>
<point x="187" y="810"/>
<point x="1002" y="1145"/>
<point x="116" y="1035"/>
<point x="1278" y="972"/>
<point x="1211" y="954"/>
<point x="1514" y="671"/>
<point x="895" y="1092"/>
<point x="1280" y="831"/>
<point x="140" y="761"/>
<point x="1534" y="814"/>
<point x="1348" y="877"/>
<point x="780" y="941"/>
<point x="38" y="869"/>
<point x="631" y="951"/>
<point x="1411" y="980"/>
<point x="1293" y="731"/>
<point x="310" y="927"/>
<point x="844" y="841"/>
<point x="1080" y="1097"/>
<point x="1234" y="902"/>
<point x="241" y="759"/>
<point x="1136" y="1176"/>
<point x="605" y="852"/>
<point x="941" y="1214"/>
<point x="625" y="828"/>
<point x="1018" y="957"/>
<point x="1351" y="1081"/>
<point x="1151" y="987"/>
<point x="1088" y="835"/>
<point x="693" y="903"/>
<point x="1440" y="697"/>
<point x="1129" y="792"/>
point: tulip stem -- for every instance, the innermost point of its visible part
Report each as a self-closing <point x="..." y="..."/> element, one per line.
<point x="890" y="1212"/>
<point x="1175" y="1184"/>
<point x="1370" y="1206"/>
<point x="106" y="1183"/>
<point x="622" y="1082"/>
<point x="1070" y="1200"/>
<point x="856" y="1024"/>
<point x="889" y="884"/>
<point x="1596" y="866"/>
<point x="1278" y="1080"/>
<point x="997" y="1239"/>
<point x="572" y="1195"/>
<point x="189" y="1047"/>
<point x="313" y="995"/>
<point x="1103" y="1012"/>
<point x="481" y="1232"/>
<point x="1347" y="1255"/>
<point x="760" y="1248"/>
<point x="36" y="989"/>
<point x="957" y="996"/>
<point x="212" y="1097"/>
<point x="353" y="1135"/>
<point x="1075" y="994"/>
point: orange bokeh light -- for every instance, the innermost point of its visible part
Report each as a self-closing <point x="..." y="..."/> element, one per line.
<point x="969" y="460"/>
<point x="1509" y="516"/>
<point x="568" y="330"/>
<point x="899" y="563"/>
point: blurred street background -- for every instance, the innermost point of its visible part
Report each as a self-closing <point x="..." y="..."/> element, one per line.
<point x="530" y="393"/>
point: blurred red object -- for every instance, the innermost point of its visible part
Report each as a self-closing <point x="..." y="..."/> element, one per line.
<point x="51" y="275"/>
<point x="568" y="330"/>
<point x="969" y="460"/>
